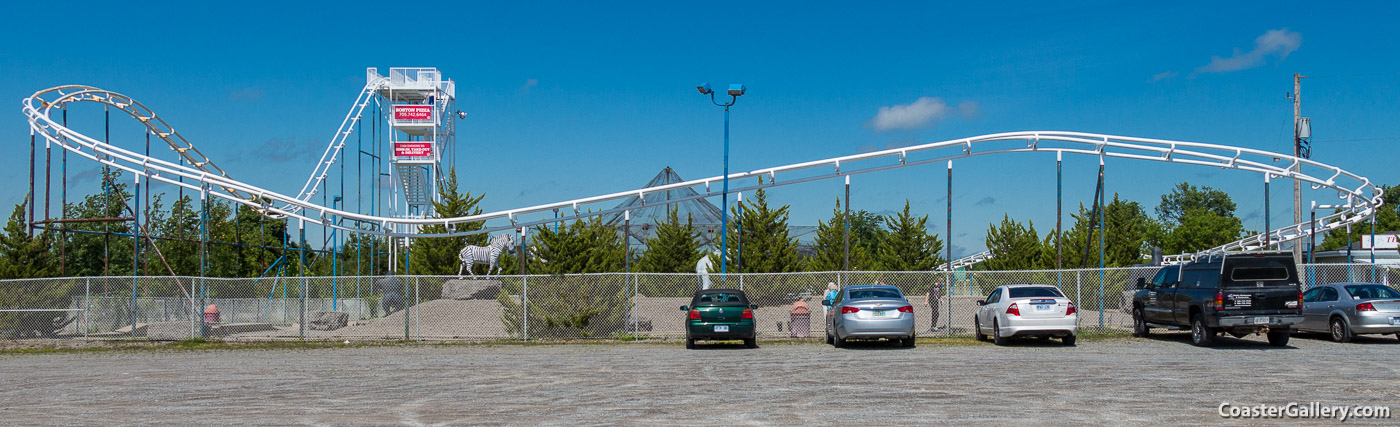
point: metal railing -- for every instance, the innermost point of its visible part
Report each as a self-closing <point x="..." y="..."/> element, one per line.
<point x="532" y="307"/>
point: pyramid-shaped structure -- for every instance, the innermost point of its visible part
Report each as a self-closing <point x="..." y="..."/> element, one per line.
<point x="704" y="216"/>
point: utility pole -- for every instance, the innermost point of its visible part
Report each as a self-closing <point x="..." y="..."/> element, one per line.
<point x="1297" y="168"/>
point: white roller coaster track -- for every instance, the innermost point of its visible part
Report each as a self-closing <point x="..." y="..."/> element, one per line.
<point x="1362" y="197"/>
<point x="347" y="127"/>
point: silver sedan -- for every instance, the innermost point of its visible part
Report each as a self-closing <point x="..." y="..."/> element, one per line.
<point x="869" y="312"/>
<point x="1025" y="311"/>
<point x="1345" y="310"/>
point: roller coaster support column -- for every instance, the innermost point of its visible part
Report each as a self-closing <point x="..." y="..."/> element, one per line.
<point x="301" y="327"/>
<point x="203" y="252"/>
<point x="1059" y="215"/>
<point x="135" y="245"/>
<point x="948" y="285"/>
<point x="1103" y="194"/>
<point x="1267" y="238"/>
<point x="846" y="244"/>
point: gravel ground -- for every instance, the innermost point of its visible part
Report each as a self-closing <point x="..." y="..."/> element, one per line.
<point x="1163" y="380"/>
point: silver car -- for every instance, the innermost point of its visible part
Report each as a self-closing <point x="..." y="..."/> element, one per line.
<point x="869" y="312"/>
<point x="1345" y="310"/>
<point x="1026" y="310"/>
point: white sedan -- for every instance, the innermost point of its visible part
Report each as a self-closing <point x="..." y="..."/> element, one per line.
<point x="1026" y="311"/>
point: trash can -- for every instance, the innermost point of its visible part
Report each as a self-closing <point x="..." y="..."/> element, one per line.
<point x="211" y="314"/>
<point x="799" y="323"/>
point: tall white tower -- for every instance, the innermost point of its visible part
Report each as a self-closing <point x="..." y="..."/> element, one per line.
<point x="420" y="106"/>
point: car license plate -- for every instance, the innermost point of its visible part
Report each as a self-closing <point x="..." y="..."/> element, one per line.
<point x="1261" y="320"/>
<point x="877" y="313"/>
<point x="1042" y="307"/>
<point x="721" y="328"/>
<point x="1395" y="320"/>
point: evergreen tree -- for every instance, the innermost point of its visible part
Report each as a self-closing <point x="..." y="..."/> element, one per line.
<point x="675" y="249"/>
<point x="439" y="256"/>
<point x="1014" y="247"/>
<point x="908" y="245"/>
<point x="765" y="244"/>
<point x="830" y="246"/>
<point x="585" y="246"/>
<point x="23" y="256"/>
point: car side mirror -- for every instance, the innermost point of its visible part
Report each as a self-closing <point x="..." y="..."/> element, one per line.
<point x="826" y="302"/>
<point x="1141" y="282"/>
<point x="685" y="308"/>
<point x="753" y="306"/>
<point x="981" y="302"/>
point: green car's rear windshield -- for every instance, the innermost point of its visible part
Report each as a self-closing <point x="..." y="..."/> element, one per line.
<point x="720" y="298"/>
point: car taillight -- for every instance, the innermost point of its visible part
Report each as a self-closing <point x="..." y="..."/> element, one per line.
<point x="1300" y="299"/>
<point x="1013" y="310"/>
<point x="849" y="310"/>
<point x="906" y="309"/>
<point x="1070" y="310"/>
<point x="748" y="314"/>
<point x="694" y="314"/>
<point x="1219" y="301"/>
<point x="1365" y="306"/>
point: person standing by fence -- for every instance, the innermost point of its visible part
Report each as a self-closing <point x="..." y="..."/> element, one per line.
<point x="934" y="297"/>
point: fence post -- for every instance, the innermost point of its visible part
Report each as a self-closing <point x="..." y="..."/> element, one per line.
<point x="948" y="290"/>
<point x="406" y="308"/>
<point x="87" y="304"/>
<point x="525" y="307"/>
<point x="1101" y="298"/>
<point x="1078" y="288"/>
<point x="417" y="314"/>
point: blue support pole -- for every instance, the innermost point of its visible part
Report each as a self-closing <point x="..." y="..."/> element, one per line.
<point x="724" y="203"/>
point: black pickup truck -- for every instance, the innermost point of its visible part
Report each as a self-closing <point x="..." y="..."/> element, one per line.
<point x="1238" y="294"/>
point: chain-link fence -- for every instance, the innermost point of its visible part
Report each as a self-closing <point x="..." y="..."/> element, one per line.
<point x="611" y="305"/>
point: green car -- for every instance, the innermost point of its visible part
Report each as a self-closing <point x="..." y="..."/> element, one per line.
<point x="720" y="315"/>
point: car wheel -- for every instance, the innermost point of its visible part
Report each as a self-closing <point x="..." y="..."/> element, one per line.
<point x="909" y="342"/>
<point x="1339" y="330"/>
<point x="689" y="344"/>
<point x="836" y="341"/>
<point x="1279" y="338"/>
<point x="977" y="329"/>
<point x="1201" y="335"/>
<point x="828" y="338"/>
<point x="1069" y="339"/>
<point x="1139" y="324"/>
<point x="996" y="334"/>
<point x="751" y="343"/>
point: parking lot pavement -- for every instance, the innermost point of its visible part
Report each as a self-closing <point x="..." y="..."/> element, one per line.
<point x="1162" y="380"/>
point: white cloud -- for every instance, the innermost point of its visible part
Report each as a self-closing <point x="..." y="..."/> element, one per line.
<point x="969" y="110"/>
<point x="529" y="83"/>
<point x="925" y="111"/>
<point x="1279" y="43"/>
<point x="1163" y="76"/>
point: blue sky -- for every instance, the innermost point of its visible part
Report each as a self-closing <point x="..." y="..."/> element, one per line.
<point x="574" y="99"/>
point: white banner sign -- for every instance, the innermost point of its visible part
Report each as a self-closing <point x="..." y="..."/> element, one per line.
<point x="1383" y="241"/>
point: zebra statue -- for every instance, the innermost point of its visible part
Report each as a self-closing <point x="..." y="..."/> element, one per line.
<point x="488" y="254"/>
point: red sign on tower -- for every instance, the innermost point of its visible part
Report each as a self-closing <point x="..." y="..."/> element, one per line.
<point x="413" y="112"/>
<point x="413" y="149"/>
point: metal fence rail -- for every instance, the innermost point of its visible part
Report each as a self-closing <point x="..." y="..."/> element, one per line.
<point x="609" y="305"/>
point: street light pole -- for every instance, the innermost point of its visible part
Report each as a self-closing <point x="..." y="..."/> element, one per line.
<point x="735" y="91"/>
